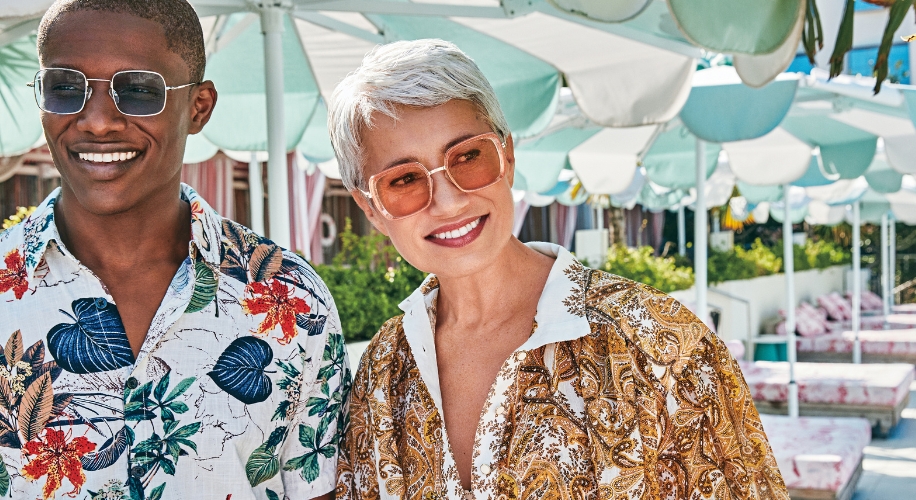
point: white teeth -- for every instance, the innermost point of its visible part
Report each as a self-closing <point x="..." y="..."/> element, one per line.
<point x="108" y="157"/>
<point x="457" y="233"/>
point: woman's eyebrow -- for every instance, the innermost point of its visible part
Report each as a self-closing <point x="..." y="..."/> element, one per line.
<point x="411" y="159"/>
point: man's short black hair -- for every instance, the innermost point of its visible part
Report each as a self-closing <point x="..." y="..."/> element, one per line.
<point x="178" y="20"/>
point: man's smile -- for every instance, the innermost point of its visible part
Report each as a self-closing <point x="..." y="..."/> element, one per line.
<point x="107" y="157"/>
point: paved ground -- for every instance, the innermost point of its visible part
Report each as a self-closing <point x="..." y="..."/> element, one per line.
<point x="890" y="464"/>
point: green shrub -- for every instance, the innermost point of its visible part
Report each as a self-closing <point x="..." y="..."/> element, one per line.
<point x="640" y="264"/>
<point x="741" y="264"/>
<point x="368" y="279"/>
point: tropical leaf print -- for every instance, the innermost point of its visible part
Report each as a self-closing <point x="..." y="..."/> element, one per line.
<point x="4" y="479"/>
<point x="313" y="324"/>
<point x="27" y="400"/>
<point x="109" y="452"/>
<point x="205" y="286"/>
<point x="13" y="352"/>
<point x="95" y="342"/>
<point x="264" y="262"/>
<point x="276" y="300"/>
<point x="240" y="370"/>
<point x="56" y="457"/>
<point x="35" y="408"/>
<point x="311" y="440"/>
<point x="263" y="463"/>
<point x="14" y="277"/>
<point x="248" y="257"/>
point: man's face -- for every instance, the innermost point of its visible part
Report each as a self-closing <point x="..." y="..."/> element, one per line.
<point x="99" y="44"/>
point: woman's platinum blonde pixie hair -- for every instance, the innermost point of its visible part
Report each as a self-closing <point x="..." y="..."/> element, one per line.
<point x="422" y="73"/>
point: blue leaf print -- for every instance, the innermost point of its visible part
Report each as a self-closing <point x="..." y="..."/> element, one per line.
<point x="96" y="342"/>
<point x="240" y="370"/>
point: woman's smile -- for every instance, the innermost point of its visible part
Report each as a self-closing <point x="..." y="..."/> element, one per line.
<point x="458" y="234"/>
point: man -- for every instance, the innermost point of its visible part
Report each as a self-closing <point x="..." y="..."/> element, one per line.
<point x="151" y="348"/>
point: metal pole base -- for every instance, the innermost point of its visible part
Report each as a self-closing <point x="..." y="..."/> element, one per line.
<point x="857" y="352"/>
<point x="793" y="399"/>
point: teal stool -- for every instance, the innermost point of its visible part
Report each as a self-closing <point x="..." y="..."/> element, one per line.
<point x="770" y="352"/>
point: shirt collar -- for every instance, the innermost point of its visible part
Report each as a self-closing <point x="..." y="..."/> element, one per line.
<point x="557" y="318"/>
<point x="39" y="229"/>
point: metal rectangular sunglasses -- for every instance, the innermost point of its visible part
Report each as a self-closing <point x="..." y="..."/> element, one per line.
<point x="407" y="189"/>
<point x="64" y="91"/>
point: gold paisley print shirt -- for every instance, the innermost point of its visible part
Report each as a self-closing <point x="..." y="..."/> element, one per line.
<point x="620" y="392"/>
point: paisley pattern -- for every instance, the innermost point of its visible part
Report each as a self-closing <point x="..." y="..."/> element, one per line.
<point x="620" y="392"/>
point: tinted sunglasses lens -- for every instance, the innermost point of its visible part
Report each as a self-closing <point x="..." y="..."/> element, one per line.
<point x="403" y="190"/>
<point x="60" y="91"/>
<point x="139" y="93"/>
<point x="474" y="164"/>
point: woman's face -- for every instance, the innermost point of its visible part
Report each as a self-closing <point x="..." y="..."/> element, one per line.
<point x="426" y="239"/>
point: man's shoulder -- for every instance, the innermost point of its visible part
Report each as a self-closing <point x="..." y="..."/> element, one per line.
<point x="11" y="239"/>
<point x="249" y="257"/>
<point x="655" y="323"/>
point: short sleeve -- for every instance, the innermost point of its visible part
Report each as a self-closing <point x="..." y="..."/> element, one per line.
<point x="309" y="455"/>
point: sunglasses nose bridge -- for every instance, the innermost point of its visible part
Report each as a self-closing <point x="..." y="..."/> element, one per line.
<point x="114" y="96"/>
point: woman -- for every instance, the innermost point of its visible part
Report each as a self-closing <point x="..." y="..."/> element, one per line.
<point x="515" y="372"/>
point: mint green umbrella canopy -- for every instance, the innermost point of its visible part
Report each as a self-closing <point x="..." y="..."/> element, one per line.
<point x="20" y="127"/>
<point x="845" y="150"/>
<point x="722" y="109"/>
<point x="541" y="160"/>
<point x="671" y="161"/>
<point x="737" y="26"/>
<point x="239" y="121"/>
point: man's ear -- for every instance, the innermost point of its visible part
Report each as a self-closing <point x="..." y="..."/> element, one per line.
<point x="367" y="207"/>
<point x="510" y="160"/>
<point x="203" y="100"/>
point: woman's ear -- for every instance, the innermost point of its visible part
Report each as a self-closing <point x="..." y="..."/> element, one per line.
<point x="368" y="208"/>
<point x="510" y="160"/>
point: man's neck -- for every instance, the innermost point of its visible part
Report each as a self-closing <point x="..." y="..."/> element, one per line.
<point x="158" y="229"/>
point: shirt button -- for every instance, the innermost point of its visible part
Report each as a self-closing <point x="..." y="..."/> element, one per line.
<point x="136" y="471"/>
<point x="522" y="355"/>
<point x="132" y="383"/>
<point x="101" y="303"/>
<point x="485" y="469"/>
<point x="500" y="410"/>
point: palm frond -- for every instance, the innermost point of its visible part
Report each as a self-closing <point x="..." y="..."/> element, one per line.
<point x="843" y="40"/>
<point x="813" y="34"/>
<point x="898" y="12"/>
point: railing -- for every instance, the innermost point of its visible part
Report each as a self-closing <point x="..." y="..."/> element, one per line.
<point x="749" y="352"/>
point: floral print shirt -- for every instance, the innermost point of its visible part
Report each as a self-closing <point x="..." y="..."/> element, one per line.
<point x="620" y="392"/>
<point x="236" y="392"/>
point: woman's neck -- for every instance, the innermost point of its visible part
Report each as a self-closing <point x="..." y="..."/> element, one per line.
<point x="511" y="285"/>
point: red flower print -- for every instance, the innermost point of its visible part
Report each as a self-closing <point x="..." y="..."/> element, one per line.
<point x="196" y="210"/>
<point x="57" y="459"/>
<point x="281" y="307"/>
<point x="14" y="276"/>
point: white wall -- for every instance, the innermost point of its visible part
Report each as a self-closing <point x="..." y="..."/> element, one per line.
<point x="767" y="295"/>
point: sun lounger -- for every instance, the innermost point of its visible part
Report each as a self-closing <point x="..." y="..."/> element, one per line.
<point x="878" y="393"/>
<point x="905" y="308"/>
<point x="896" y="345"/>
<point x="820" y="458"/>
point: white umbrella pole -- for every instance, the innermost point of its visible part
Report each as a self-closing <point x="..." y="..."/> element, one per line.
<point x="856" y="283"/>
<point x="277" y="183"/>
<point x="256" y="194"/>
<point x="681" y="231"/>
<point x="788" y="258"/>
<point x="700" y="224"/>
<point x="893" y="262"/>
<point x="599" y="217"/>
<point x="885" y="268"/>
